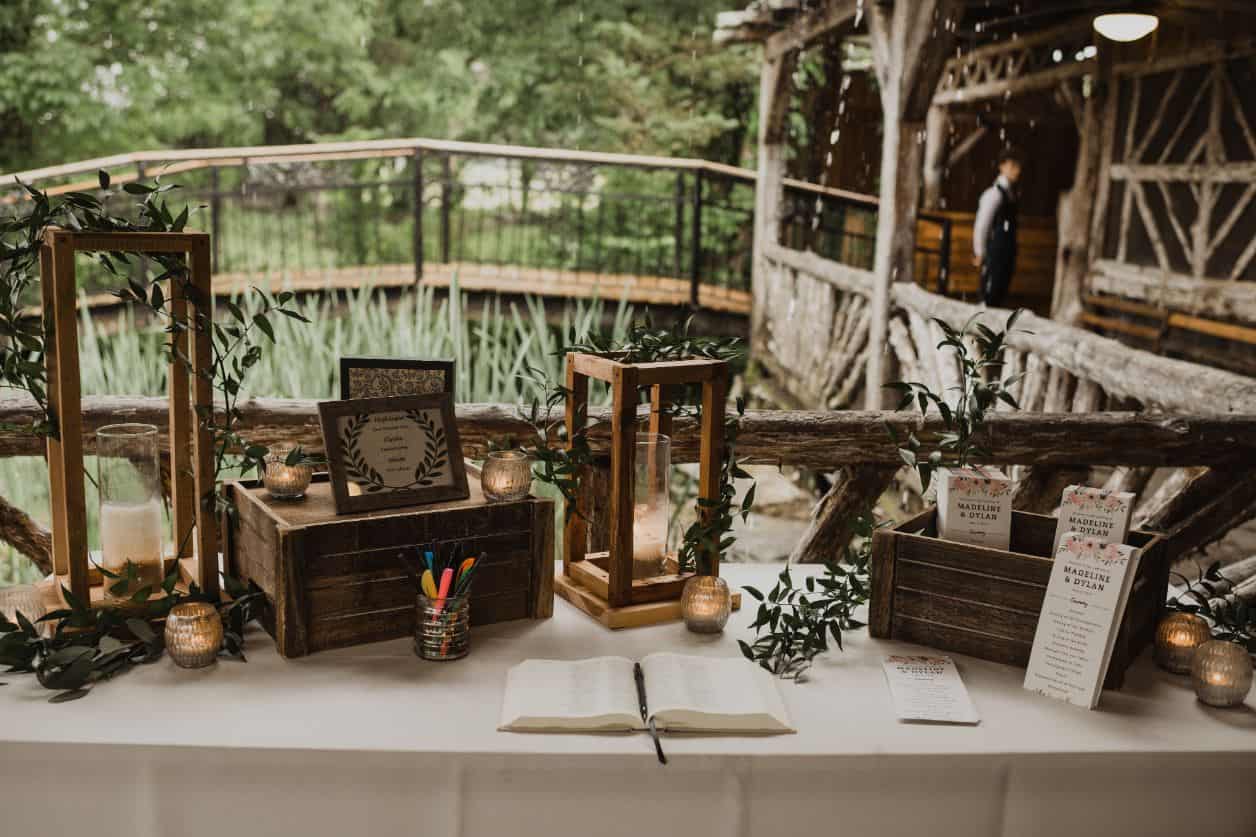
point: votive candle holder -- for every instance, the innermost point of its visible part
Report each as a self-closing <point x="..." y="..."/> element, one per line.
<point x="1221" y="673"/>
<point x="193" y="634"/>
<point x="506" y="475"/>
<point x="1177" y="637"/>
<point x="284" y="481"/>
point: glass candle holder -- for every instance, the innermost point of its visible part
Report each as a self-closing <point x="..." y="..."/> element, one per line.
<point x="651" y="504"/>
<point x="1177" y="637"/>
<point x="706" y="603"/>
<point x="1221" y="673"/>
<point x="193" y="634"/>
<point x="284" y="481"/>
<point x="128" y="473"/>
<point x="506" y="475"/>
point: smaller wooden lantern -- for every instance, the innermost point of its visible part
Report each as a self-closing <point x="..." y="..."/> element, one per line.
<point x="601" y="583"/>
<point x="195" y="534"/>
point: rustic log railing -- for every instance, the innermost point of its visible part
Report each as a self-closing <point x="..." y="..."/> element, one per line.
<point x="857" y="444"/>
<point x="812" y="339"/>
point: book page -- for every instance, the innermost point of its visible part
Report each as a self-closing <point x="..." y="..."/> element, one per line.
<point x="713" y="694"/>
<point x="595" y="695"/>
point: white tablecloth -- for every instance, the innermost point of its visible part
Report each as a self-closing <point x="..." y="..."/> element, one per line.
<point x="371" y="740"/>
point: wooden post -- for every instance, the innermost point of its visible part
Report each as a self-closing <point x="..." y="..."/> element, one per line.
<point x="1077" y="206"/>
<point x="201" y="352"/>
<point x="711" y="457"/>
<point x="695" y="264"/>
<point x="417" y="238"/>
<point x="937" y="131"/>
<point x="182" y="501"/>
<point x="623" y="503"/>
<point x="910" y="42"/>
<point x="575" y="532"/>
<point x="774" y="80"/>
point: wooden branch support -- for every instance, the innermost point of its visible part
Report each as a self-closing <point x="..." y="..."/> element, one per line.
<point x="31" y="540"/>
<point x="1039" y="489"/>
<point x="854" y="492"/>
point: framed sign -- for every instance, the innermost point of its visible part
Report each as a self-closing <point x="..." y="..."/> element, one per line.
<point x="384" y="377"/>
<point x="389" y="452"/>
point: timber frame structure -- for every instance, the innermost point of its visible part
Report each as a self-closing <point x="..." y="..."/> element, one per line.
<point x="1159" y="223"/>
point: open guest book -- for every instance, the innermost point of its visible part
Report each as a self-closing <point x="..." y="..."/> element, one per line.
<point x="678" y="694"/>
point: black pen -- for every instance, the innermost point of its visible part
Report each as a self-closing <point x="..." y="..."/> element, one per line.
<point x="639" y="676"/>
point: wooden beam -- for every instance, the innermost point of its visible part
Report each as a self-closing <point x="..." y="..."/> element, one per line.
<point x="1004" y="88"/>
<point x="774" y="86"/>
<point x="822" y="440"/>
<point x="855" y="491"/>
<point x="1121" y="371"/>
<point x="1218" y="298"/>
<point x="811" y="26"/>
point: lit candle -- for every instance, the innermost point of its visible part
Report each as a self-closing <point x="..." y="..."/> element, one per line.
<point x="284" y="481"/>
<point x="1222" y="673"/>
<point x="193" y="634"/>
<point x="131" y="533"/>
<point x="1177" y="637"/>
<point x="649" y="541"/>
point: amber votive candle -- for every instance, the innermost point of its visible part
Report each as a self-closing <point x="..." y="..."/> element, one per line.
<point x="193" y="634"/>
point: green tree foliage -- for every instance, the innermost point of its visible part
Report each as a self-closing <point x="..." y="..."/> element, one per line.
<point x="81" y="78"/>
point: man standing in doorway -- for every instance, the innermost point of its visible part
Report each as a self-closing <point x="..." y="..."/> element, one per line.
<point x="994" y="232"/>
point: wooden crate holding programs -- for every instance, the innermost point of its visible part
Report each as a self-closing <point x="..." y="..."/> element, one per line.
<point x="335" y="580"/>
<point x="985" y="602"/>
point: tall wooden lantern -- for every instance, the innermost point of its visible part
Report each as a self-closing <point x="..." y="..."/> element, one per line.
<point x="195" y="535"/>
<point x="601" y="583"/>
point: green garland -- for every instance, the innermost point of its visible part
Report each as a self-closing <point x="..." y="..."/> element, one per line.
<point x="561" y="461"/>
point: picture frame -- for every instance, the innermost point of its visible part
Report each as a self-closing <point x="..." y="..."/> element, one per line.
<point x="394" y="451"/>
<point x="385" y="377"/>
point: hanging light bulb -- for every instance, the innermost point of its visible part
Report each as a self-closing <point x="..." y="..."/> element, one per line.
<point x="1125" y="26"/>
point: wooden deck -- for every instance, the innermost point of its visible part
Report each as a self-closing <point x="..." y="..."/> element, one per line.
<point x="479" y="278"/>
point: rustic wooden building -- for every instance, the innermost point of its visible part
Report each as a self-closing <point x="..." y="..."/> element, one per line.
<point x="1140" y="189"/>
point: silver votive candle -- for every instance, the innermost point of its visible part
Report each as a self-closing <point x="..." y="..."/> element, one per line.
<point x="284" y="481"/>
<point x="705" y="604"/>
<point x="1221" y="673"/>
<point x="506" y="475"/>
<point x="193" y="634"/>
<point x="1177" y="637"/>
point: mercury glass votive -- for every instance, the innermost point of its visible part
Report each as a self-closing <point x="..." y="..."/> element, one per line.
<point x="1221" y="673"/>
<point x="506" y="475"/>
<point x="193" y="634"/>
<point x="284" y="481"/>
<point x="1177" y="637"/>
<point x="705" y="603"/>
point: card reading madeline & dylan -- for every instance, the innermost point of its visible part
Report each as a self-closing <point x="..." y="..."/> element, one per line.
<point x="1086" y="594"/>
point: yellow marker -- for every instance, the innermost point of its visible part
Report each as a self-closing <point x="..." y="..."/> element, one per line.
<point x="429" y="584"/>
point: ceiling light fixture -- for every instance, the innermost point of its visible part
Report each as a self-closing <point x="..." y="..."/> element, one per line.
<point x="1125" y="26"/>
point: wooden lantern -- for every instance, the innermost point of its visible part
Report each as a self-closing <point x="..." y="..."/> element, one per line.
<point x="601" y="583"/>
<point x="195" y="535"/>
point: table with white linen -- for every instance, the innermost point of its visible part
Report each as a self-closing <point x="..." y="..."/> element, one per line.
<point x="371" y="740"/>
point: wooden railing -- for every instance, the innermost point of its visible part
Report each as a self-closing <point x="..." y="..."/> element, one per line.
<point x="521" y="219"/>
<point x="855" y="444"/>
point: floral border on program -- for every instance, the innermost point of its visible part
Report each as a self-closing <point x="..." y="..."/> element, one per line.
<point x="1095" y="499"/>
<point x="981" y="485"/>
<point x="1106" y="553"/>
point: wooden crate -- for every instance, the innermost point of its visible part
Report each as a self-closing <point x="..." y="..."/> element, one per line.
<point x="985" y="602"/>
<point x="334" y="580"/>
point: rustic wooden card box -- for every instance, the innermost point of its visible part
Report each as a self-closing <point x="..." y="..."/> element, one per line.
<point x="334" y="580"/>
<point x="985" y="602"/>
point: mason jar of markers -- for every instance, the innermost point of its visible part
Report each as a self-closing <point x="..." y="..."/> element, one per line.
<point x="442" y="625"/>
<point x="442" y="628"/>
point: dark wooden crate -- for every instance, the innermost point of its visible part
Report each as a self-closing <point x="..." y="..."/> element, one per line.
<point x="985" y="602"/>
<point x="334" y="580"/>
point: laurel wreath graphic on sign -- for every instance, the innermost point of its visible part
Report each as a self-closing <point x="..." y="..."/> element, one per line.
<point x="430" y="471"/>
